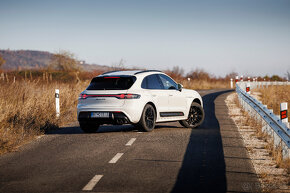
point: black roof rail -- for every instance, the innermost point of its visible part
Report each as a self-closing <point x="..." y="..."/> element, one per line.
<point x="143" y="71"/>
<point x="110" y="72"/>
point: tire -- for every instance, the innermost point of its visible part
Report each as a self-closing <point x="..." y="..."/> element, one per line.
<point x="195" y="116"/>
<point x="148" y="118"/>
<point x="89" y="127"/>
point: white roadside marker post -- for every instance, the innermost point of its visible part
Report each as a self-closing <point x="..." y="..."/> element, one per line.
<point x="284" y="113"/>
<point x="57" y="109"/>
<point x="232" y="84"/>
<point x="248" y="88"/>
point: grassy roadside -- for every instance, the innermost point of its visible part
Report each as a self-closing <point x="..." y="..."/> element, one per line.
<point x="273" y="96"/>
<point x="27" y="109"/>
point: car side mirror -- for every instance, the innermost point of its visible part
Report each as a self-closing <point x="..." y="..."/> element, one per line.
<point x="180" y="86"/>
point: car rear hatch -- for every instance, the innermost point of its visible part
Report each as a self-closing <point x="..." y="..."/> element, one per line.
<point x="107" y="91"/>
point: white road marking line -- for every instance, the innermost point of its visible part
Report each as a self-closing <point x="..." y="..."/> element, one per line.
<point x="116" y="158"/>
<point x="139" y="132"/>
<point x="92" y="183"/>
<point x="131" y="141"/>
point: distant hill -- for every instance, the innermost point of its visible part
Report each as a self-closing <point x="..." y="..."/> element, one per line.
<point x="34" y="60"/>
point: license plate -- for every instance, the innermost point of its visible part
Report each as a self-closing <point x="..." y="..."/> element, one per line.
<point x="99" y="115"/>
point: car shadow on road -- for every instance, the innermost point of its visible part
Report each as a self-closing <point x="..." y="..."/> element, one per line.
<point x="103" y="129"/>
<point x="203" y="166"/>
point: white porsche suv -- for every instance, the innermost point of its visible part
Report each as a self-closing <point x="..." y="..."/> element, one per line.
<point x="141" y="98"/>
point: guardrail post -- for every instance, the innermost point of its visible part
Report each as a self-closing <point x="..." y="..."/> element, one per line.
<point x="57" y="109"/>
<point x="232" y="84"/>
<point x="285" y="151"/>
<point x="277" y="140"/>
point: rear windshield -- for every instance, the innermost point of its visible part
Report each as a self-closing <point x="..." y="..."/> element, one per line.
<point x="112" y="83"/>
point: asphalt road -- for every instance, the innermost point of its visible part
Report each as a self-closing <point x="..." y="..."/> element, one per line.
<point x="211" y="158"/>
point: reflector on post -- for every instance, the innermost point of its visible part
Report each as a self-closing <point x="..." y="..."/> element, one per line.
<point x="283" y="112"/>
<point x="248" y="89"/>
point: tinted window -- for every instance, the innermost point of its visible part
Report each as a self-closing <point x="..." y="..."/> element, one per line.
<point x="152" y="82"/>
<point x="112" y="83"/>
<point x="167" y="82"/>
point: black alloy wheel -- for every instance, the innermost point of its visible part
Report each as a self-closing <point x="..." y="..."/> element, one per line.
<point x="148" y="118"/>
<point x="195" y="116"/>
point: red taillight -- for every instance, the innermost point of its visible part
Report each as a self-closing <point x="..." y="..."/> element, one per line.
<point x="127" y="96"/>
<point x="118" y="96"/>
<point x="83" y="96"/>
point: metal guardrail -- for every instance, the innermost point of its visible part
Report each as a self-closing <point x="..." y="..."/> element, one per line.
<point x="272" y="124"/>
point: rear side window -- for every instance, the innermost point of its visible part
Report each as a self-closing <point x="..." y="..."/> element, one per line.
<point x="151" y="82"/>
<point x="112" y="83"/>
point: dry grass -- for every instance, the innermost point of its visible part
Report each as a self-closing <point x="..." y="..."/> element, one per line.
<point x="27" y="109"/>
<point x="274" y="95"/>
<point x="204" y="84"/>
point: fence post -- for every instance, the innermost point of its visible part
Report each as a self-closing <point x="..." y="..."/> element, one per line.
<point x="57" y="103"/>
<point x="232" y="84"/>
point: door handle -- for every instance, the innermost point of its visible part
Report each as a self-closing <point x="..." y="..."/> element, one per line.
<point x="154" y="95"/>
<point x="171" y="95"/>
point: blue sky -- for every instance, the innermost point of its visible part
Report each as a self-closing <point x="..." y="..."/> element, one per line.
<point x="220" y="36"/>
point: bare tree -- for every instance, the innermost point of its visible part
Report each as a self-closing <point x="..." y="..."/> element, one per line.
<point x="64" y="61"/>
<point x="288" y="75"/>
<point x="231" y="75"/>
<point x="119" y="65"/>
<point x="199" y="74"/>
<point x="178" y="71"/>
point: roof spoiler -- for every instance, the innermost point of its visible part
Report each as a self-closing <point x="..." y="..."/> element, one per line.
<point x="147" y="71"/>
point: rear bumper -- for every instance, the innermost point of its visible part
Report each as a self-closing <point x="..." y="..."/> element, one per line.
<point x="132" y="109"/>
<point x="116" y="118"/>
